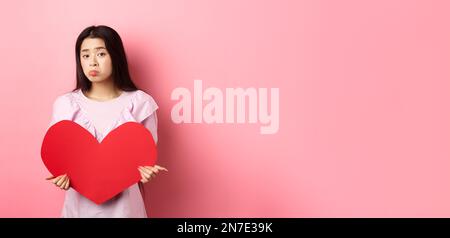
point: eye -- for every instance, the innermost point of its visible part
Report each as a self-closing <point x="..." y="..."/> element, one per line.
<point x="84" y="56"/>
<point x="102" y="54"/>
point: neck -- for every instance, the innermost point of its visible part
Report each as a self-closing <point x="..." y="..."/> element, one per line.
<point x="103" y="91"/>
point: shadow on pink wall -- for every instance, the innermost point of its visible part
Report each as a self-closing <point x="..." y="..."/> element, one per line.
<point x="162" y="195"/>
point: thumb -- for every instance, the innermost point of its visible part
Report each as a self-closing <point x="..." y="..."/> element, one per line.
<point x="51" y="177"/>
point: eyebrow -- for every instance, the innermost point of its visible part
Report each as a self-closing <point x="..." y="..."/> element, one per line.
<point x="96" y="48"/>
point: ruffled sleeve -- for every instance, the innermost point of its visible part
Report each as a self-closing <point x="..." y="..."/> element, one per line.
<point x="63" y="109"/>
<point x="143" y="109"/>
<point x="143" y="106"/>
<point x="151" y="123"/>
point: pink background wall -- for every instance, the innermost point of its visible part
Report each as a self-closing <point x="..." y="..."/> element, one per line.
<point x="364" y="103"/>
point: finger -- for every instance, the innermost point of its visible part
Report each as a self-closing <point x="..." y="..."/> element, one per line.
<point x="51" y="177"/>
<point x="161" y="168"/>
<point x="147" y="169"/>
<point x="147" y="172"/>
<point x="55" y="180"/>
<point x="63" y="185"/>
<point x="150" y="175"/>
<point x="141" y="173"/>
<point x="67" y="184"/>
<point x="144" y="179"/>
<point x="141" y="170"/>
<point x="153" y="169"/>
<point x="61" y="180"/>
<point x="150" y="170"/>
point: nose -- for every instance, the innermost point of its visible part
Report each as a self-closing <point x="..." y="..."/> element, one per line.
<point x="93" y="62"/>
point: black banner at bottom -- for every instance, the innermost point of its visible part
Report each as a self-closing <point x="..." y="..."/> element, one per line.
<point x="212" y="227"/>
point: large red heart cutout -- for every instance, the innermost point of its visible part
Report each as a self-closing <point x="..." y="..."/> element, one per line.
<point x="99" y="171"/>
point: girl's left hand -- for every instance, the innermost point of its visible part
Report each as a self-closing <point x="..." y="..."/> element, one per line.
<point x="149" y="172"/>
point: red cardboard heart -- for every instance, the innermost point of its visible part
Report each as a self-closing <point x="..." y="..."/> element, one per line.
<point x="98" y="171"/>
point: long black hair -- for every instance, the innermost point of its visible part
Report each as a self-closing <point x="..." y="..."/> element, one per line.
<point x="114" y="45"/>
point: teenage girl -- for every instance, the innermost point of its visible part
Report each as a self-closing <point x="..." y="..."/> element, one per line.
<point x="104" y="98"/>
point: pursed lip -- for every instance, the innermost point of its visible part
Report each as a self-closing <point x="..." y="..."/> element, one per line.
<point x="93" y="72"/>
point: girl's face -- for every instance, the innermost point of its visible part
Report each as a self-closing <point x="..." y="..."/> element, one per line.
<point x="95" y="60"/>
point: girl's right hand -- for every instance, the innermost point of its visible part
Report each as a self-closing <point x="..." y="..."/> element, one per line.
<point x="61" y="181"/>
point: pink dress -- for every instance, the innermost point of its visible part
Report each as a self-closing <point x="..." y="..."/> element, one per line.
<point x="99" y="118"/>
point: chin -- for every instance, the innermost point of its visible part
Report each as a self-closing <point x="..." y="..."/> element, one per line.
<point x="96" y="80"/>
